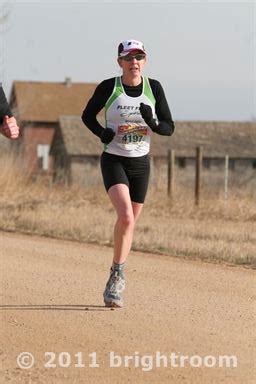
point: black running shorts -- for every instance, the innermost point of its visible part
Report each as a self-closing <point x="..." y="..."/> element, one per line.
<point x="132" y="171"/>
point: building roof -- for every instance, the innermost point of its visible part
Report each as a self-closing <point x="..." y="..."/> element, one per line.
<point x="45" y="101"/>
<point x="237" y="139"/>
<point x="77" y="138"/>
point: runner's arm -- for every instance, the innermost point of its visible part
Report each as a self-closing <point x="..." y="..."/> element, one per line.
<point x="96" y="104"/>
<point x="165" y="125"/>
<point x="4" y="106"/>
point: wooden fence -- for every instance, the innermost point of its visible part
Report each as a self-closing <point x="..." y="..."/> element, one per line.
<point x="198" y="174"/>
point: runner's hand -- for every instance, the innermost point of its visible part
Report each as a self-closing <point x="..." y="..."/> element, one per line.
<point x="147" y="115"/>
<point x="10" y="128"/>
<point x="107" y="135"/>
<point x="146" y="112"/>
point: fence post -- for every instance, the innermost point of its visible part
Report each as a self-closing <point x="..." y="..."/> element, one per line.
<point x="170" y="172"/>
<point x="199" y="158"/>
<point x="226" y="177"/>
<point x="152" y="170"/>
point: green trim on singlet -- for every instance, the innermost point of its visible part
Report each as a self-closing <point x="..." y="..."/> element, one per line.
<point x="119" y="84"/>
<point x="117" y="91"/>
<point x="148" y="91"/>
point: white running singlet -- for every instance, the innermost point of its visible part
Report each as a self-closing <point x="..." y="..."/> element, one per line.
<point x="122" y="114"/>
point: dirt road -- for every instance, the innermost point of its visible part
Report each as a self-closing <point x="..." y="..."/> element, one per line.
<point x="176" y="313"/>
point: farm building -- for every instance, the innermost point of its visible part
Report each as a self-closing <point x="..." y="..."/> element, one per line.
<point x="75" y="150"/>
<point x="37" y="107"/>
<point x="56" y="143"/>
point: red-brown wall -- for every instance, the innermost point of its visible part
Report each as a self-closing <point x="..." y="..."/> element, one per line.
<point x="32" y="135"/>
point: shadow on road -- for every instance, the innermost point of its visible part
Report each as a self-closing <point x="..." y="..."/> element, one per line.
<point x="62" y="307"/>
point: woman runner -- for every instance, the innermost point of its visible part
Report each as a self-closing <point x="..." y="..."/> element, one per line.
<point x="135" y="108"/>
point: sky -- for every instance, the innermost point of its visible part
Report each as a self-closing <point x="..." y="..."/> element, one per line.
<point x="202" y="52"/>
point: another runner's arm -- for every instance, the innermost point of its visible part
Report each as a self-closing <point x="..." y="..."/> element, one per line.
<point x="96" y="104"/>
<point x="165" y="124"/>
<point x="4" y="106"/>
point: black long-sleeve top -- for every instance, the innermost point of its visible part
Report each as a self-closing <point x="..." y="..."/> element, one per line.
<point x="104" y="91"/>
<point x="4" y="106"/>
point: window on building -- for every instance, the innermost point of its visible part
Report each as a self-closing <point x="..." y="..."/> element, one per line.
<point x="181" y="162"/>
<point x="254" y="164"/>
<point x="207" y="162"/>
<point x="43" y="156"/>
<point x="231" y="164"/>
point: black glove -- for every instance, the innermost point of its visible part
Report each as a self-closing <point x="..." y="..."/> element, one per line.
<point x="147" y="115"/>
<point x="107" y="135"/>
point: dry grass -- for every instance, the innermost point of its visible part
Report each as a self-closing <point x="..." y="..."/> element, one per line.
<point x="216" y="231"/>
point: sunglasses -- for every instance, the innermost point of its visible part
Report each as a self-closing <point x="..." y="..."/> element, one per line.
<point x="138" y="57"/>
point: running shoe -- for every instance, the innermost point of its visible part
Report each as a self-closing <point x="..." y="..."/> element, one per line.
<point x="114" y="288"/>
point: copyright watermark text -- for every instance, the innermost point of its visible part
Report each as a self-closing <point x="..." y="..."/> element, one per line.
<point x="26" y="360"/>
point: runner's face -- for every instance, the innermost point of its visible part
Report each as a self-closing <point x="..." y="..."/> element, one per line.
<point x="134" y="67"/>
